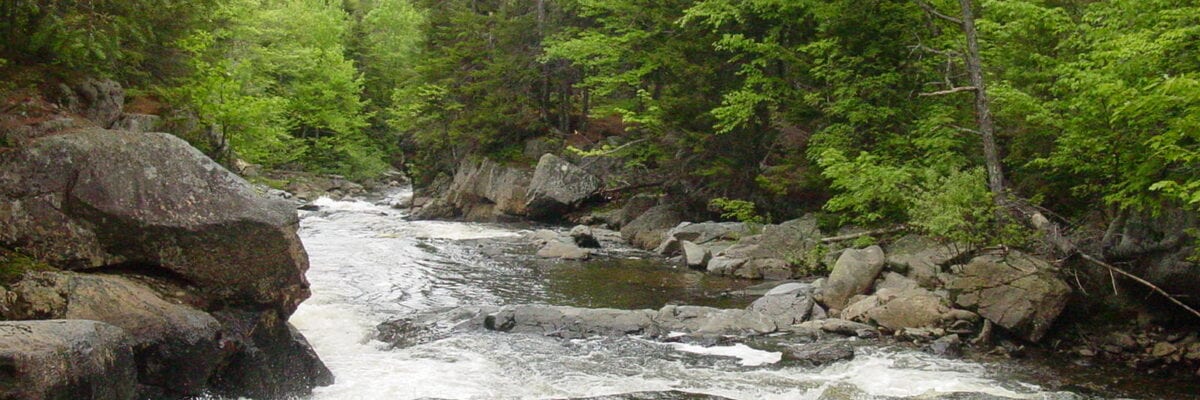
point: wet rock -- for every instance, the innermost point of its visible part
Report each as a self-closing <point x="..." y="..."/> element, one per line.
<point x="66" y="359"/>
<point x="694" y="255"/>
<point x="1014" y="290"/>
<point x="177" y="347"/>
<point x="563" y="250"/>
<point x="922" y="258"/>
<point x="817" y="354"/>
<point x="574" y="322"/>
<point x="584" y="237"/>
<point x="649" y="229"/>
<point x="556" y="187"/>
<point x="705" y="320"/>
<point x="786" y="304"/>
<point x="853" y="274"/>
<point x="270" y="360"/>
<point x="96" y="198"/>
<point x="947" y="346"/>
<point x="432" y="325"/>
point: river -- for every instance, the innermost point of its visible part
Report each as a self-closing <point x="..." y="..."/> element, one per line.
<point x="370" y="264"/>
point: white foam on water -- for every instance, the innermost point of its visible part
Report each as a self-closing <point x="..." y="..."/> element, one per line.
<point x="748" y="356"/>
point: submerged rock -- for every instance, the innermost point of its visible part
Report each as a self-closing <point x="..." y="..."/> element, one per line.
<point x="66" y="359"/>
<point x="563" y="249"/>
<point x="584" y="237"/>
<point x="1014" y="290"/>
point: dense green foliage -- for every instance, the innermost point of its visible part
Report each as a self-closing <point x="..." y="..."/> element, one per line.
<point x="773" y="107"/>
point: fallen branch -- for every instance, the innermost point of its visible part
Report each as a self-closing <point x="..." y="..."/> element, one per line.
<point x="853" y="236"/>
<point x="1113" y="268"/>
<point x="1054" y="234"/>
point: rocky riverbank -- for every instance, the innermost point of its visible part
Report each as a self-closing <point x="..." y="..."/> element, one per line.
<point x="159" y="274"/>
<point x="904" y="285"/>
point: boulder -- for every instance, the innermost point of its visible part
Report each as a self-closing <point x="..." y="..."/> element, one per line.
<point x="270" y="360"/>
<point x="482" y="182"/>
<point x="558" y="186"/>
<point x="896" y="309"/>
<point x="97" y="198"/>
<point x="634" y="208"/>
<point x="853" y="274"/>
<point x="704" y="232"/>
<point x="138" y="123"/>
<point x="767" y="268"/>
<point x="563" y="250"/>
<point x="922" y="258"/>
<point x="1014" y="290"/>
<point x="787" y="304"/>
<point x="838" y="326"/>
<point x="98" y="100"/>
<point x="584" y="237"/>
<point x="713" y="321"/>
<point x="818" y="354"/>
<point x="66" y="359"/>
<point x="649" y="229"/>
<point x="177" y="347"/>
<point x="694" y="255"/>
<point x="722" y="265"/>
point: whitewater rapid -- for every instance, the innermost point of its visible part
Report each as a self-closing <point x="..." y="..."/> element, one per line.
<point x="369" y="264"/>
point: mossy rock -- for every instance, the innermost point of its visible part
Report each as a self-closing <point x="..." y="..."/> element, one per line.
<point x="14" y="266"/>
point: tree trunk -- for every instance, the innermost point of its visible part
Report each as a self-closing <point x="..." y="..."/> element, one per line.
<point x="987" y="129"/>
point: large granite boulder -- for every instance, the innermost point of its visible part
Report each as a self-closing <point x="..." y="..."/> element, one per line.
<point x="648" y="230"/>
<point x="922" y="258"/>
<point x="853" y="274"/>
<point x="65" y="359"/>
<point x="787" y="304"/>
<point x="173" y="245"/>
<point x="896" y="309"/>
<point x="97" y="198"/>
<point x="482" y="190"/>
<point x="177" y="347"/>
<point x="556" y="187"/>
<point x="1014" y="290"/>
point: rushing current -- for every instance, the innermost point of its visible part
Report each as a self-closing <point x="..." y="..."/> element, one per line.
<point x="370" y="264"/>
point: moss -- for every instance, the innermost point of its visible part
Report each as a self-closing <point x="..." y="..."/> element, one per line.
<point x="278" y="184"/>
<point x="14" y="266"/>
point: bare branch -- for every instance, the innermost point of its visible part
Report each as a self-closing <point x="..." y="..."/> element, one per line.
<point x="949" y="91"/>
<point x="1156" y="289"/>
<point x="934" y="12"/>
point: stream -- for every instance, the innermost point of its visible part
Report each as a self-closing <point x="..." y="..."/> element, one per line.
<point x="370" y="264"/>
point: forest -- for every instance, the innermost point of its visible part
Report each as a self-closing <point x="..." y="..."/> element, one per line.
<point x="931" y="113"/>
